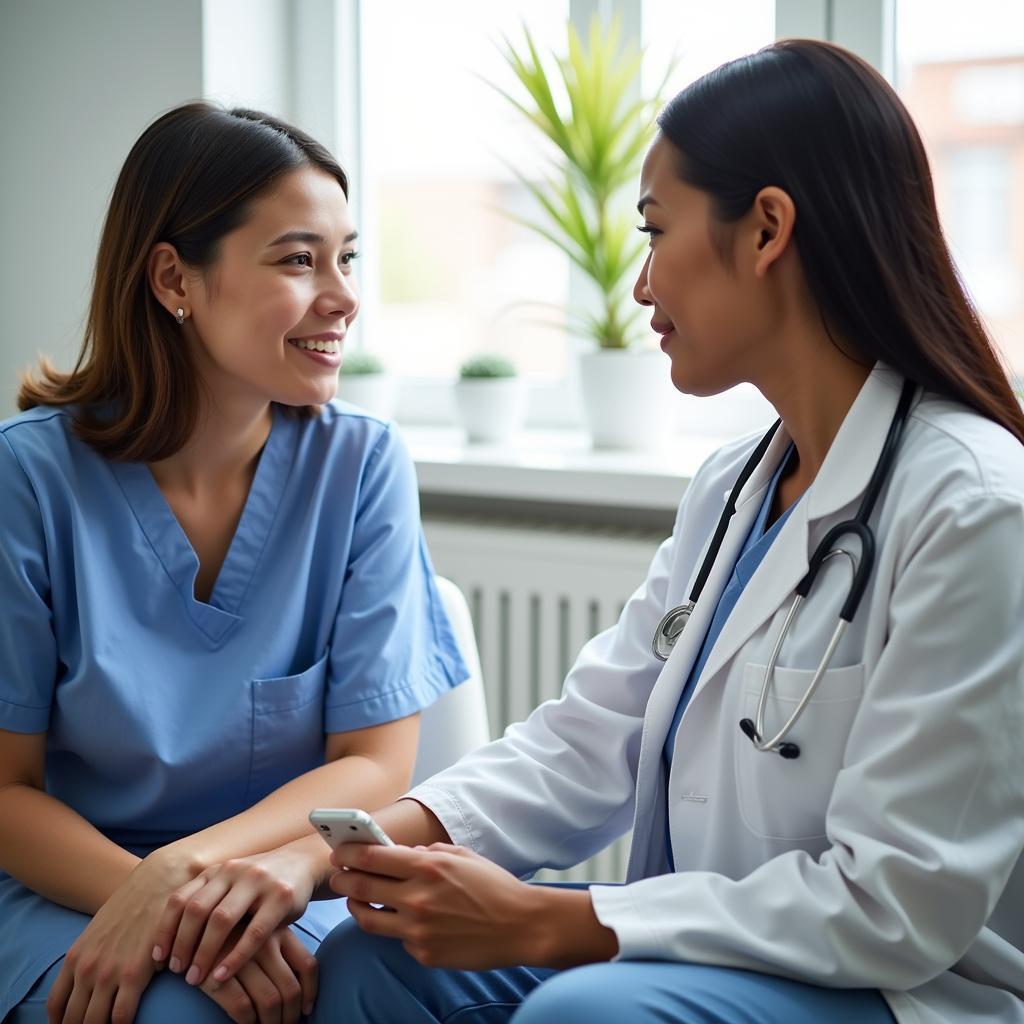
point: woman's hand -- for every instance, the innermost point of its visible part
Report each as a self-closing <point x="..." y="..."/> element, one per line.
<point x="108" y="967"/>
<point x="199" y="918"/>
<point x="276" y="986"/>
<point x="452" y="908"/>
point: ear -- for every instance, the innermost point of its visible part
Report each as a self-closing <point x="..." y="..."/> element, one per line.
<point x="774" y="217"/>
<point x="167" y="279"/>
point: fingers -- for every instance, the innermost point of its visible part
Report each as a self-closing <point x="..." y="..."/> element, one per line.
<point x="98" y="1010"/>
<point x="78" y="1003"/>
<point x="167" y="926"/>
<point x="126" y="1002"/>
<point x="391" y="861"/>
<point x="277" y="969"/>
<point x="368" y="888"/>
<point x="232" y="998"/>
<point x="376" y="921"/>
<point x="304" y="966"/>
<point x="265" y="922"/>
<point x="221" y="923"/>
<point x="60" y="993"/>
<point x="266" y="999"/>
<point x="199" y="912"/>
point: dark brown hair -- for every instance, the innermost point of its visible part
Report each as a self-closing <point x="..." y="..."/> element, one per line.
<point x="189" y="180"/>
<point x="823" y="125"/>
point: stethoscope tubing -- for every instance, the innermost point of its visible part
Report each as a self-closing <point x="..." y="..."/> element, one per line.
<point x="675" y="620"/>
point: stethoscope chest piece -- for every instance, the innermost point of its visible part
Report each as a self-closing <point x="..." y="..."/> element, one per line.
<point x="669" y="629"/>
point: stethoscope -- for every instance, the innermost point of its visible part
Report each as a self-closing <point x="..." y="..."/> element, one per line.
<point x="673" y="623"/>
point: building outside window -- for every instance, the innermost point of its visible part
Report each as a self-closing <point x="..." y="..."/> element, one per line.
<point x="960" y="70"/>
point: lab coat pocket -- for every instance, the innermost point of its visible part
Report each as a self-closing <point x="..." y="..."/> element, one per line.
<point x="787" y="799"/>
<point x="287" y="728"/>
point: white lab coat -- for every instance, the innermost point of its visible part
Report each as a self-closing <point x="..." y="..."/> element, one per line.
<point x="888" y="855"/>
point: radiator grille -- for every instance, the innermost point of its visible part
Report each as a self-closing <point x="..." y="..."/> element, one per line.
<point x="538" y="591"/>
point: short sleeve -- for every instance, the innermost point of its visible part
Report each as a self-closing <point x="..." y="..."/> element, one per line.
<point x="28" y="648"/>
<point x="392" y="651"/>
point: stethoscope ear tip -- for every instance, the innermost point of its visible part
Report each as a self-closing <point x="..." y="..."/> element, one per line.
<point x="749" y="730"/>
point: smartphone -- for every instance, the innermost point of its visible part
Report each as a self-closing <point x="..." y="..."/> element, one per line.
<point x="339" y="825"/>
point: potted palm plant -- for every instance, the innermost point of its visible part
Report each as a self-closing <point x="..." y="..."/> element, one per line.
<point x="365" y="382"/>
<point x="590" y="113"/>
<point x="489" y="398"/>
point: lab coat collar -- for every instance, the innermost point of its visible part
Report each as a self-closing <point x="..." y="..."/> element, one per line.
<point x="847" y="469"/>
<point x="854" y="452"/>
<point x="842" y="478"/>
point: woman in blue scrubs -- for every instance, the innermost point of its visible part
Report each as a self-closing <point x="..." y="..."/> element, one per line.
<point x="219" y="610"/>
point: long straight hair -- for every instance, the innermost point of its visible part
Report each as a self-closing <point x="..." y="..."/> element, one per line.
<point x="189" y="180"/>
<point x="820" y="123"/>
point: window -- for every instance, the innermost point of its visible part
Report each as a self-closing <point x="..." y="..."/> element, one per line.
<point x="455" y="275"/>
<point x="447" y="272"/>
<point x="960" y="70"/>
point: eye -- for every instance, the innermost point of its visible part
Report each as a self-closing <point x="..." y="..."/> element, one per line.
<point x="300" y="259"/>
<point x="348" y="258"/>
<point x="648" y="229"/>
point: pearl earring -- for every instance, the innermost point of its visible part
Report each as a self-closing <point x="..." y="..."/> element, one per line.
<point x="180" y="316"/>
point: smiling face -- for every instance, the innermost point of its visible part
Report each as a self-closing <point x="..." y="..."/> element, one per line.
<point x="268" y="319"/>
<point x="714" y="313"/>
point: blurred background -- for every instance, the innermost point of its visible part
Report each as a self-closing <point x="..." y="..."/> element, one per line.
<point x="399" y="89"/>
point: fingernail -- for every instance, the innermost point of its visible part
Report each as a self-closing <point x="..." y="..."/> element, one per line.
<point x="193" y="975"/>
<point x="307" y="1010"/>
<point x="158" y="953"/>
<point x="220" y="974"/>
<point x="175" y="965"/>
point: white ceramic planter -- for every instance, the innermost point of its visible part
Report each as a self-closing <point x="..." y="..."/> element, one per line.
<point x="491" y="409"/>
<point x="374" y="392"/>
<point x="628" y="398"/>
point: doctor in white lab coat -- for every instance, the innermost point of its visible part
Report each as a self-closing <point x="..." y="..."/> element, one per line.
<point x="878" y="875"/>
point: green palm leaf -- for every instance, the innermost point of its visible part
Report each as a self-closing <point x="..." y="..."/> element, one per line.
<point x="599" y="131"/>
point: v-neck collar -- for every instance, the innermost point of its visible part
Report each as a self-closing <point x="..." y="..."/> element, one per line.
<point x="177" y="556"/>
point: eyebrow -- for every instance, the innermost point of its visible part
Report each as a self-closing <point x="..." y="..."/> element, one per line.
<point x="646" y="200"/>
<point x="309" y="237"/>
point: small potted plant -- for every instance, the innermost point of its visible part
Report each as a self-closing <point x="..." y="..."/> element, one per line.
<point x="365" y="382"/>
<point x="597" y="129"/>
<point x="490" y="399"/>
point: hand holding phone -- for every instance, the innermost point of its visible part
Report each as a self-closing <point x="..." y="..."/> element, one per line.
<point x="338" y="825"/>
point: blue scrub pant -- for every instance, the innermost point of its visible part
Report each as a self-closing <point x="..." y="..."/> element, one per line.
<point x="371" y="980"/>
<point x="168" y="999"/>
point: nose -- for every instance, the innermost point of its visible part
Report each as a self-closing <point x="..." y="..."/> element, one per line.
<point x="337" y="297"/>
<point x="641" y="293"/>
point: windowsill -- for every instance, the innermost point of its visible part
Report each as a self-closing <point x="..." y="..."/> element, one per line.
<point x="555" y="467"/>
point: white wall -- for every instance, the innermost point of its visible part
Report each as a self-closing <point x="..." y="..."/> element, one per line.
<point x="79" y="81"/>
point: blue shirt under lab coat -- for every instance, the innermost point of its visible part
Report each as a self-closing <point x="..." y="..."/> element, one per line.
<point x="755" y="547"/>
<point x="165" y="714"/>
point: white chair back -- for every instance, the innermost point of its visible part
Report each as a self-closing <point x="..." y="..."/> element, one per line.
<point x="456" y="722"/>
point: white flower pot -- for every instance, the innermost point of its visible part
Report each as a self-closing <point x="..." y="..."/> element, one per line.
<point x="374" y="392"/>
<point x="628" y="398"/>
<point x="491" y="409"/>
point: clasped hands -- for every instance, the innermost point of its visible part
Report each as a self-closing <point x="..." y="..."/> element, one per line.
<point x="449" y="907"/>
<point x="110" y="965"/>
<point x="226" y="929"/>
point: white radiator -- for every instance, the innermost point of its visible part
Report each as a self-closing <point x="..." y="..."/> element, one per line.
<point x="538" y="591"/>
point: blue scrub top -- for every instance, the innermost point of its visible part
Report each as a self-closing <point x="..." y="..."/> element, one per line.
<point x="165" y="714"/>
<point x="755" y="547"/>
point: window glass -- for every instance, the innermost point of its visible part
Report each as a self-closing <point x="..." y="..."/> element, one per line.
<point x="449" y="274"/>
<point x="701" y="36"/>
<point x="960" y="70"/>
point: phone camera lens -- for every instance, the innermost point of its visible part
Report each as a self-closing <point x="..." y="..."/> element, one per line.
<point x="325" y="828"/>
<point x="353" y="828"/>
